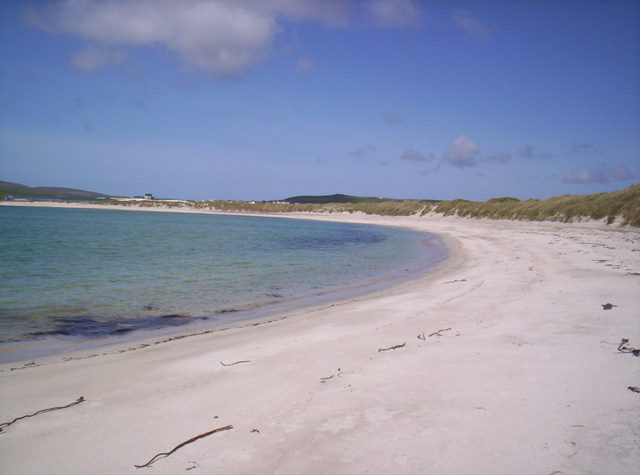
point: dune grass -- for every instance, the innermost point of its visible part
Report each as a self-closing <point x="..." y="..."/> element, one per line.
<point x="622" y="207"/>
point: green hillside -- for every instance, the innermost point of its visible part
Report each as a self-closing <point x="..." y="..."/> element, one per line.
<point x="9" y="188"/>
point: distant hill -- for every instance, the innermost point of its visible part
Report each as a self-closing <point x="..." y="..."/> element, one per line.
<point x="8" y="188"/>
<point x="324" y="199"/>
<point x="338" y="198"/>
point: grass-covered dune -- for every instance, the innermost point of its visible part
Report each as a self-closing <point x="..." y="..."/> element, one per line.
<point x="622" y="207"/>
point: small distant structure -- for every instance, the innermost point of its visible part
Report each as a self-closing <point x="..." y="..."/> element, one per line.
<point x="148" y="196"/>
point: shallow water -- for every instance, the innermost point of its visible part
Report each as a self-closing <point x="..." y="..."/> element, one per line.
<point x="85" y="274"/>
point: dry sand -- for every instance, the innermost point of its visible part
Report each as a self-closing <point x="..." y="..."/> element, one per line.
<point x="528" y="380"/>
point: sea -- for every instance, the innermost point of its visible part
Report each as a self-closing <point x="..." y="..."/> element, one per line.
<point x="83" y="277"/>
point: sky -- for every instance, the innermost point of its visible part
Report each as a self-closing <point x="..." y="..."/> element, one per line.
<point x="266" y="99"/>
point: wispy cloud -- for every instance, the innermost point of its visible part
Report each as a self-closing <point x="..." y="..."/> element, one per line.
<point x="600" y="174"/>
<point x="462" y="152"/>
<point x="394" y="13"/>
<point x="363" y="152"/>
<point x="414" y="155"/>
<point x="305" y="65"/>
<point x="577" y="148"/>
<point x="467" y="22"/>
<point x="93" y="57"/>
<point x="391" y="117"/>
<point x="500" y="157"/>
<point x="529" y="152"/>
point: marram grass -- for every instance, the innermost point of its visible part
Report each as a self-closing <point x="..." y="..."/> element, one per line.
<point x="622" y="207"/>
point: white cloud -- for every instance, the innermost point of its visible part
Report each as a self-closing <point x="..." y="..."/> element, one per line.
<point x="221" y="37"/>
<point x="599" y="174"/>
<point x="465" y="21"/>
<point x="414" y="155"/>
<point x="393" y="13"/>
<point x="462" y="152"/>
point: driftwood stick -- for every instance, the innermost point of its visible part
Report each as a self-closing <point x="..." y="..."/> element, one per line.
<point x="179" y="446"/>
<point x="394" y="347"/>
<point x="438" y="332"/>
<point x="237" y="362"/>
<point x="4" y="425"/>
<point x="623" y="348"/>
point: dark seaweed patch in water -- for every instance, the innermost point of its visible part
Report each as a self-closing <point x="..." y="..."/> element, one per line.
<point x="332" y="240"/>
<point x="89" y="327"/>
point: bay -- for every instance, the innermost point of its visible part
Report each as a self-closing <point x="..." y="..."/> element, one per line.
<point x="80" y="274"/>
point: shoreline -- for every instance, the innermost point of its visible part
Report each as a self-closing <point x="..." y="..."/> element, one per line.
<point x="516" y="372"/>
<point x="23" y="350"/>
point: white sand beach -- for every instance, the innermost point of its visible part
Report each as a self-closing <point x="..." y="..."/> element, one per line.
<point x="506" y="363"/>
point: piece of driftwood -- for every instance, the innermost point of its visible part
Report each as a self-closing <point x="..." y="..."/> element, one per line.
<point x="623" y="348"/>
<point x="4" y="425"/>
<point x="394" y="347"/>
<point x="236" y="362"/>
<point x="179" y="446"/>
<point x="439" y="332"/>
<point x="635" y="389"/>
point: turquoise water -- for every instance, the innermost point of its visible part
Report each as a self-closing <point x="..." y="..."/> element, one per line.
<point x="86" y="274"/>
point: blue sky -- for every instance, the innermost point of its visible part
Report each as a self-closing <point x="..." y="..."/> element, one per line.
<point x="264" y="99"/>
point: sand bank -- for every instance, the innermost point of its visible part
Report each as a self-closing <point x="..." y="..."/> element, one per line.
<point x="524" y="377"/>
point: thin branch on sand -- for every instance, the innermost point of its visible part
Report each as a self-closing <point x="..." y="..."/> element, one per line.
<point x="623" y="348"/>
<point x="236" y="362"/>
<point x="439" y="332"/>
<point x="394" y="347"/>
<point x="179" y="446"/>
<point x="4" y="425"/>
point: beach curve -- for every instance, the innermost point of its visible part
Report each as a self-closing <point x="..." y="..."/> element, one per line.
<point x="501" y="360"/>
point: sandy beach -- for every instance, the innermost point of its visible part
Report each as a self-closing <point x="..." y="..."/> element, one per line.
<point x="500" y="361"/>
